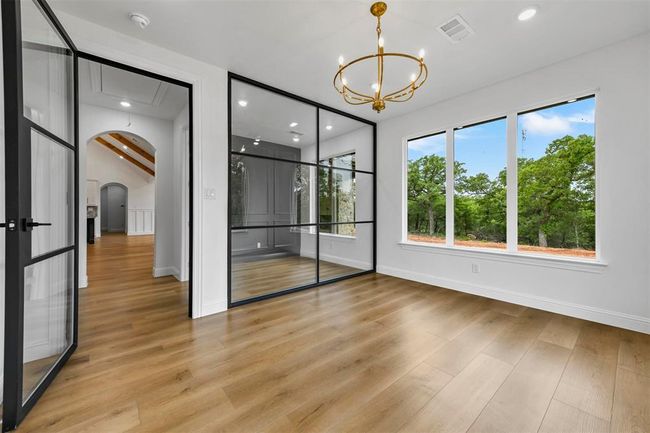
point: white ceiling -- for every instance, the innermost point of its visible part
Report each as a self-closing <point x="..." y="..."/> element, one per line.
<point x="106" y="86"/>
<point x="294" y="45"/>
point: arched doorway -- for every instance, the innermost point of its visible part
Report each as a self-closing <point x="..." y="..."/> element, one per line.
<point x="113" y="207"/>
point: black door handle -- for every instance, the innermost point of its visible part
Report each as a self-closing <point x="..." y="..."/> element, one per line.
<point x="29" y="224"/>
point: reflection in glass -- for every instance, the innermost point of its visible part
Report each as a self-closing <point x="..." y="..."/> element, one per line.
<point x="340" y="135"/>
<point x="556" y="172"/>
<point x="47" y="74"/>
<point x="345" y="255"/>
<point x="52" y="194"/>
<point x="48" y="320"/>
<point x="345" y="196"/>
<point x="426" y="193"/>
<point x="271" y="260"/>
<point x="268" y="124"/>
<point x="480" y="185"/>
<point x="268" y="192"/>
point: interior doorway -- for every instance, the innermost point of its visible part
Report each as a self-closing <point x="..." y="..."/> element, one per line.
<point x="113" y="205"/>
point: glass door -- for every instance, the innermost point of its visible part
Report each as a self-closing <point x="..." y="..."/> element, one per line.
<point x="41" y="217"/>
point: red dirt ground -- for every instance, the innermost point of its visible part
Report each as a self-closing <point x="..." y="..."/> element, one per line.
<point x="566" y="252"/>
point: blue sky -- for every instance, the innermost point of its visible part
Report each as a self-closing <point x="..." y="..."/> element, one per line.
<point x="483" y="148"/>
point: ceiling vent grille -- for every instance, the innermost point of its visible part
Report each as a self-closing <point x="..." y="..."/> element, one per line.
<point x="456" y="29"/>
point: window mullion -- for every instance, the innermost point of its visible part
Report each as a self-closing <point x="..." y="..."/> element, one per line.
<point x="512" y="184"/>
<point x="449" y="200"/>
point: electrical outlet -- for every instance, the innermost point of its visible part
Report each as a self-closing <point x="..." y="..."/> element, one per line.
<point x="259" y="245"/>
<point x="475" y="268"/>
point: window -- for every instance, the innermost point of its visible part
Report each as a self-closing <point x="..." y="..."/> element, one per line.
<point x="556" y="180"/>
<point x="552" y="171"/>
<point x="338" y="194"/>
<point x="426" y="174"/>
<point x="480" y="185"/>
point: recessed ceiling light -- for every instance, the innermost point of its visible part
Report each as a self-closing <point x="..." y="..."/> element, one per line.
<point x="296" y="139"/>
<point x="527" y="14"/>
<point x="293" y="124"/>
<point x="242" y="103"/>
<point x="125" y="104"/>
<point x="572" y="100"/>
<point x="125" y="148"/>
<point x="121" y="157"/>
<point x="328" y="127"/>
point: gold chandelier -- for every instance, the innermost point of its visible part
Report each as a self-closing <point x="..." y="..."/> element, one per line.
<point x="379" y="98"/>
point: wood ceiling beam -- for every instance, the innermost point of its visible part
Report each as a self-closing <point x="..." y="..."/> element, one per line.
<point x="126" y="156"/>
<point x="134" y="147"/>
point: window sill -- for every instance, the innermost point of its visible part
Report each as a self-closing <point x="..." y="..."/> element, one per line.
<point x="335" y="236"/>
<point x="538" y="260"/>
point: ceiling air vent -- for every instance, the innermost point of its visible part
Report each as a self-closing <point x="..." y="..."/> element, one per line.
<point x="456" y="29"/>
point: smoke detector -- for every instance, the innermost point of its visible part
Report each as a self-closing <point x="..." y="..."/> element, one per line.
<point x="139" y="19"/>
<point x="455" y="29"/>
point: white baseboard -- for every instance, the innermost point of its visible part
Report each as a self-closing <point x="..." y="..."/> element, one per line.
<point x="164" y="271"/>
<point x="359" y="264"/>
<point x="139" y="233"/>
<point x="607" y="317"/>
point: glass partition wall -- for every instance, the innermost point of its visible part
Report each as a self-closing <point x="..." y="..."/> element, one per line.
<point x="302" y="193"/>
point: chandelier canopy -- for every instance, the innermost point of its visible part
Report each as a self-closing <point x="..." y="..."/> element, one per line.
<point x="380" y="97"/>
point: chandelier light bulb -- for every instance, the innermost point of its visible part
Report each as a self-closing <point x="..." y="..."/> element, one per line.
<point x="344" y="81"/>
<point x="341" y="60"/>
<point x="421" y="54"/>
<point x="375" y="87"/>
<point x="413" y="78"/>
<point x="380" y="42"/>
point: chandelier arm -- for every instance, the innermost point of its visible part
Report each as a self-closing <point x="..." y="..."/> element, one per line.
<point x="412" y="86"/>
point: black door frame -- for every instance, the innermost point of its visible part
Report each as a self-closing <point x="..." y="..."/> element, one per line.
<point x="190" y="92"/>
<point x="318" y="106"/>
<point x="18" y="208"/>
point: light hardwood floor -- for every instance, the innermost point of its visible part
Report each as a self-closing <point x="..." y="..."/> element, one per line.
<point x="374" y="353"/>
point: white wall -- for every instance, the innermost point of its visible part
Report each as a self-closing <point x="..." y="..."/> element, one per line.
<point x="618" y="293"/>
<point x="180" y="190"/>
<point x="210" y="149"/>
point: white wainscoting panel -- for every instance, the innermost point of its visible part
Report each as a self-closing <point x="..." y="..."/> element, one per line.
<point x="141" y="222"/>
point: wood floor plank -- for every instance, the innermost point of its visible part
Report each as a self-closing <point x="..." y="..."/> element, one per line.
<point x="395" y="406"/>
<point x="526" y="393"/>
<point x="562" y="418"/>
<point x="634" y="352"/>
<point x="562" y="330"/>
<point x="460" y="402"/>
<point x="631" y="412"/>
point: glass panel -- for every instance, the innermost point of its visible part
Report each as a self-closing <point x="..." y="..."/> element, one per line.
<point x="271" y="260"/>
<point x="267" y="192"/>
<point x="426" y="192"/>
<point x="345" y="196"/>
<point x="48" y="84"/>
<point x="344" y="255"/>
<point x="281" y="127"/>
<point x="557" y="180"/>
<point x="52" y="194"/>
<point x="340" y="135"/>
<point x="49" y="286"/>
<point x="480" y="185"/>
